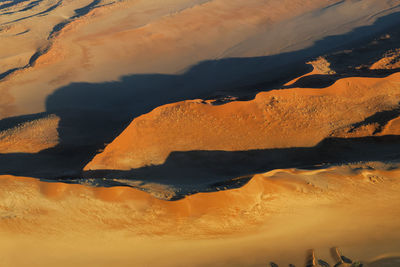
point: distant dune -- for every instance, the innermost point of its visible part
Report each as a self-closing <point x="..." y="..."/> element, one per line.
<point x="98" y="41"/>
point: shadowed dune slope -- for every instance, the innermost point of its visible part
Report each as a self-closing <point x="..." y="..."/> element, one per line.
<point x="102" y="41"/>
<point x="193" y="132"/>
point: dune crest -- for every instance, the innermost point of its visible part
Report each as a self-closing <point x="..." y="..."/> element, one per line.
<point x="261" y="192"/>
<point x="278" y="119"/>
<point x="329" y="202"/>
<point x="199" y="132"/>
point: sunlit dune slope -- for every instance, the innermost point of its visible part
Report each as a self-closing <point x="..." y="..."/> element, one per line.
<point x="277" y="119"/>
<point x="208" y="104"/>
<point x="344" y="206"/>
<point x="158" y="52"/>
<point x="30" y="137"/>
<point x="257" y="197"/>
<point x="391" y="60"/>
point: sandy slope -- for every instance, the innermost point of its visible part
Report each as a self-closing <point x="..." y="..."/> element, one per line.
<point x="30" y="137"/>
<point x="24" y="28"/>
<point x="391" y="60"/>
<point x="277" y="216"/>
<point x="277" y="119"/>
<point x="138" y="37"/>
<point x="73" y="75"/>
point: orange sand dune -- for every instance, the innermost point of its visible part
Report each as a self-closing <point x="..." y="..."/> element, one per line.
<point x="30" y="137"/>
<point x="277" y="216"/>
<point x="73" y="74"/>
<point x="278" y="119"/>
<point x="391" y="60"/>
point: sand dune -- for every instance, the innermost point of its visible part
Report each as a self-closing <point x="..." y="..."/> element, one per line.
<point x="287" y="118"/>
<point x="391" y="60"/>
<point x="102" y="45"/>
<point x="30" y="137"/>
<point x="321" y="208"/>
<point x="90" y="43"/>
<point x="199" y="132"/>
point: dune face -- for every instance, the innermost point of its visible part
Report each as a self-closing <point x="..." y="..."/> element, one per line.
<point x="278" y="119"/>
<point x="199" y="132"/>
<point x="231" y="227"/>
<point x="30" y="137"/>
<point x="391" y="60"/>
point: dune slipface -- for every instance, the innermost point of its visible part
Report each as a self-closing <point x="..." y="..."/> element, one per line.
<point x="199" y="133"/>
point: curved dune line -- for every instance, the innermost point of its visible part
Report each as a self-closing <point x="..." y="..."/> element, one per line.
<point x="194" y="205"/>
<point x="277" y="119"/>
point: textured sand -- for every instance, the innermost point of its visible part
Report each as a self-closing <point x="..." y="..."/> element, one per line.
<point x="276" y="217"/>
<point x="297" y="117"/>
<point x="158" y="37"/>
<point x="30" y="137"/>
<point x="208" y="104"/>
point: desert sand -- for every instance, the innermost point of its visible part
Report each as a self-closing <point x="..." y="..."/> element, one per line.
<point x="277" y="217"/>
<point x="199" y="132"/>
<point x="275" y="119"/>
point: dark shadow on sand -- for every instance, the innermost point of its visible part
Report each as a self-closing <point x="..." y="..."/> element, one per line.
<point x="209" y="169"/>
<point x="93" y="114"/>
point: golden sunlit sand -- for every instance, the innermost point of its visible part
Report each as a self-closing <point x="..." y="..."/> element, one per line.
<point x="199" y="133"/>
<point x="296" y="117"/>
<point x="276" y="216"/>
